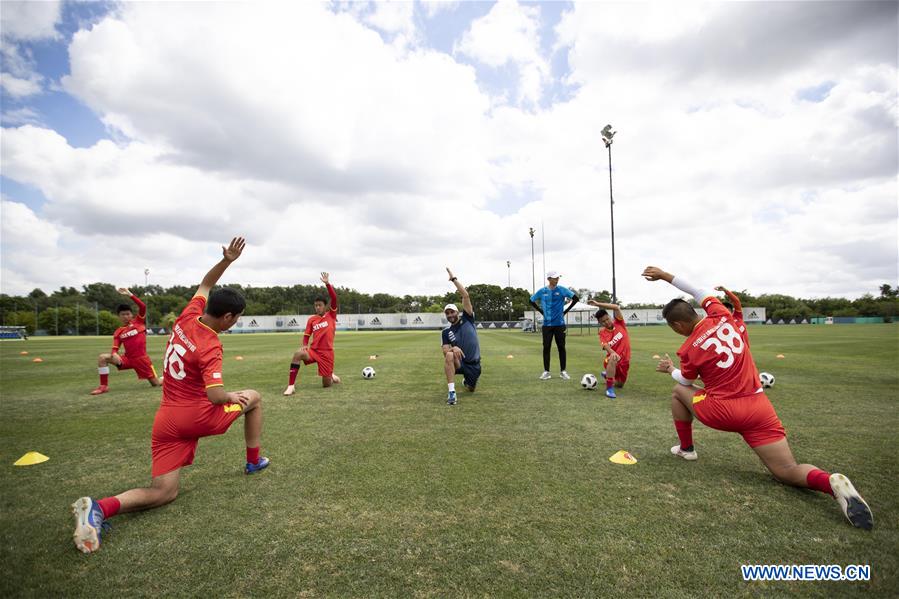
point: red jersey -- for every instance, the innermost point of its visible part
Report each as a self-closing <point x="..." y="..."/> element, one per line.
<point x="322" y="327"/>
<point x="193" y="359"/>
<point x="133" y="336"/>
<point x="617" y="338"/>
<point x="717" y="353"/>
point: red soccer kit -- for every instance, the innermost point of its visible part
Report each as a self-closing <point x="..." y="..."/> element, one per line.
<point x="192" y="364"/>
<point x="321" y="328"/>
<point x="618" y="339"/>
<point x="732" y="399"/>
<point x="133" y="337"/>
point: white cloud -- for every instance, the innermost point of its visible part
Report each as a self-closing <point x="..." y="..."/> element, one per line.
<point x="30" y="20"/>
<point x="18" y="87"/>
<point x="509" y="34"/>
<point x="433" y="8"/>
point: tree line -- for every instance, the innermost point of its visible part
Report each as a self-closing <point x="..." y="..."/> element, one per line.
<point x="92" y="310"/>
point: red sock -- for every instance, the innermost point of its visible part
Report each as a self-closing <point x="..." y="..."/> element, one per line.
<point x="109" y="506"/>
<point x="819" y="481"/>
<point x="104" y="380"/>
<point x="684" y="433"/>
<point x="294" y="371"/>
<point x="609" y="383"/>
<point x="252" y="455"/>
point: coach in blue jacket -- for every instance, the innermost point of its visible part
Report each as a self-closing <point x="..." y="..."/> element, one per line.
<point x="552" y="305"/>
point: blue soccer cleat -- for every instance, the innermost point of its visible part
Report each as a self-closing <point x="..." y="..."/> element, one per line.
<point x="89" y="525"/>
<point x="610" y="393"/>
<point x="261" y="464"/>
<point x="451" y="398"/>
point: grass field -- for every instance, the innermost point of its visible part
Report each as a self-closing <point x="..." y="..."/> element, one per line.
<point x="377" y="488"/>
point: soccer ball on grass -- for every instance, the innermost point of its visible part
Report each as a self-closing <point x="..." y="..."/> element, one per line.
<point x="368" y="372"/>
<point x="588" y="382"/>
<point x="767" y="380"/>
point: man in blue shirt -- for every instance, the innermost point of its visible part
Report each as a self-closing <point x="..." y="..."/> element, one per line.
<point x="461" y="350"/>
<point x="552" y="306"/>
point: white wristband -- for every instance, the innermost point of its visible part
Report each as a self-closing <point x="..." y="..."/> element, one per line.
<point x="677" y="376"/>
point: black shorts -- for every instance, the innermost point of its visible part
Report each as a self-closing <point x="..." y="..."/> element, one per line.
<point x="471" y="372"/>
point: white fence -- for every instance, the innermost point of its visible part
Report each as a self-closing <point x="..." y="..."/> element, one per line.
<point x="638" y="317"/>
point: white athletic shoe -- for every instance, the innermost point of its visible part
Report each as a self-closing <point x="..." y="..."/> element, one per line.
<point x="335" y="379"/>
<point x="687" y="455"/>
<point x="854" y="507"/>
<point x="289" y="390"/>
<point x="545" y="376"/>
<point x="564" y="375"/>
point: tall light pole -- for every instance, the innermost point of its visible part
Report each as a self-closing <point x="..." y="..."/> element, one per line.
<point x="607" y="135"/>
<point x="146" y="278"/>
<point x="509" y="269"/>
<point x="533" y="277"/>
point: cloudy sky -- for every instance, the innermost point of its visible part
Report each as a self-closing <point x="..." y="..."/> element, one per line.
<point x="756" y="146"/>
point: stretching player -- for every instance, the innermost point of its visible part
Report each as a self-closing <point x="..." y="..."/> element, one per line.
<point x="194" y="404"/>
<point x="614" y="339"/>
<point x="732" y="399"/>
<point x="132" y="335"/>
<point x="321" y="328"/>
<point x="736" y="308"/>
<point x="461" y="349"/>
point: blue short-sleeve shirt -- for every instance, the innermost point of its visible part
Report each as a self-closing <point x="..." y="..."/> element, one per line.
<point x="464" y="335"/>
<point x="552" y="302"/>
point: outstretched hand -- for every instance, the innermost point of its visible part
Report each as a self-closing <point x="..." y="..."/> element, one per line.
<point x="234" y="249"/>
<point x="124" y="291"/>
<point x="665" y="365"/>
<point x="721" y="288"/>
<point x="450" y="273"/>
<point x="325" y="278"/>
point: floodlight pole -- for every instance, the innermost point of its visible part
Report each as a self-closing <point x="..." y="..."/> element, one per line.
<point x="607" y="135"/>
<point x="146" y="278"/>
<point x="533" y="276"/>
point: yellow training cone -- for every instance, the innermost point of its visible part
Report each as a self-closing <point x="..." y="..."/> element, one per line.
<point x="36" y="360"/>
<point x="781" y="356"/>
<point x="238" y="357"/>
<point x="30" y="459"/>
<point x="375" y="357"/>
<point x="509" y="357"/>
<point x="23" y="353"/>
<point x="657" y="357"/>
<point x="623" y="457"/>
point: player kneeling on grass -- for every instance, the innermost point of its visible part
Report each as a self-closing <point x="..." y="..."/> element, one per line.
<point x="320" y="327"/>
<point x="132" y="335"/>
<point x="194" y="404"/>
<point x="614" y="339"/>
<point x="732" y="398"/>
<point x="461" y="350"/>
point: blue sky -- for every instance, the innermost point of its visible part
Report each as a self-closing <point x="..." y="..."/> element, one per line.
<point x="438" y="133"/>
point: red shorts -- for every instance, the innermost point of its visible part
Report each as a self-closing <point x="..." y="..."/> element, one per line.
<point x="177" y="430"/>
<point x="752" y="416"/>
<point x="324" y="359"/>
<point x="141" y="365"/>
<point x="620" y="370"/>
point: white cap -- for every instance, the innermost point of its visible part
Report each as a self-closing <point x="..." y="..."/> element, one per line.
<point x="451" y="307"/>
<point x="553" y="274"/>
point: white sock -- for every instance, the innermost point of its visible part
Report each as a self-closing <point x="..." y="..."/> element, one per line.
<point x="103" y="369"/>
<point x="452" y="386"/>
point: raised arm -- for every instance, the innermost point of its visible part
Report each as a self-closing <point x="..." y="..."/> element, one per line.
<point x="615" y="308"/>
<point x="738" y="307"/>
<point x="466" y="300"/>
<point x="654" y="273"/>
<point x="141" y="307"/>
<point x="229" y="255"/>
<point x="331" y="293"/>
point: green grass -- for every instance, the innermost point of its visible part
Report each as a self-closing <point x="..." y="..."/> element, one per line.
<point x="377" y="488"/>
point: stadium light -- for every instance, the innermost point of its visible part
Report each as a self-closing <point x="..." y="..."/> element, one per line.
<point x="533" y="277"/>
<point x="146" y="278"/>
<point x="607" y="135"/>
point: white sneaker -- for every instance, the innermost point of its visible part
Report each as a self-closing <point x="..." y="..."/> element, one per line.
<point x="687" y="455"/>
<point x="564" y="375"/>
<point x="289" y="391"/>
<point x="545" y="376"/>
<point x="335" y="379"/>
<point x="854" y="507"/>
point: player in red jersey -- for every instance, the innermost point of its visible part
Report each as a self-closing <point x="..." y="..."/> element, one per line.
<point x="732" y="398"/>
<point x="132" y="335"/>
<point x="194" y="404"/>
<point x="616" y="342"/>
<point x="320" y="327"/>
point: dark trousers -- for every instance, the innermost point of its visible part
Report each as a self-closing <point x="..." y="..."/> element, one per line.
<point x="557" y="333"/>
